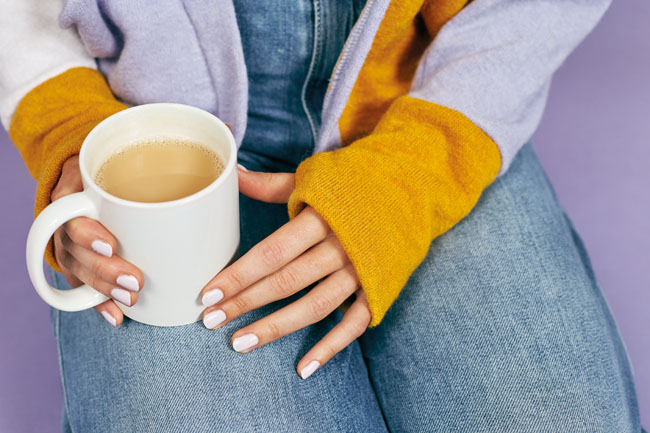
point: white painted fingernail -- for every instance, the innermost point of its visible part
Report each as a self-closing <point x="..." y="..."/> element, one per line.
<point x="110" y="319"/>
<point x="245" y="342"/>
<point x="212" y="297"/>
<point x="122" y="296"/>
<point x="102" y="248"/>
<point x="213" y="319"/>
<point x="309" y="369"/>
<point x="128" y="282"/>
<point x="242" y="167"/>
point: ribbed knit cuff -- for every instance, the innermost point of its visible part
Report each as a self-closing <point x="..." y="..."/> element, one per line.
<point x="51" y="123"/>
<point x="388" y="195"/>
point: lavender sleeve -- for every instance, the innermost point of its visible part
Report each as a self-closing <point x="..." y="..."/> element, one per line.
<point x="183" y="51"/>
<point x="493" y="62"/>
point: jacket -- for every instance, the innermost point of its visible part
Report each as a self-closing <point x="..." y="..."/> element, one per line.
<point x="429" y="102"/>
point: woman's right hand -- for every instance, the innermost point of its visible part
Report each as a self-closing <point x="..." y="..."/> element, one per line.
<point x="84" y="250"/>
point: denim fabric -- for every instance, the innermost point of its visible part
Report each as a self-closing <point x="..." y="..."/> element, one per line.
<point x="502" y="328"/>
<point x="140" y="378"/>
<point x="290" y="49"/>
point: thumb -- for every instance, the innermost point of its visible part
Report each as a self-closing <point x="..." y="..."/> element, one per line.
<point x="268" y="187"/>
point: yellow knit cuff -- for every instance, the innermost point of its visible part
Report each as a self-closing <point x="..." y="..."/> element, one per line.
<point x="50" y="124"/>
<point x="388" y="195"/>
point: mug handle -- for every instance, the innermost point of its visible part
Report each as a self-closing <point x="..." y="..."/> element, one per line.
<point x="50" y="219"/>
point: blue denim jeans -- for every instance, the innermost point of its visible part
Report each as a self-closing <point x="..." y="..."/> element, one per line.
<point x="502" y="328"/>
<point x="290" y="49"/>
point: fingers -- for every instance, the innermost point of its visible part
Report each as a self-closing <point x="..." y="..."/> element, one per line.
<point x="59" y="254"/>
<point x="311" y="308"/>
<point x="73" y="246"/>
<point x="110" y="312"/>
<point x="83" y="261"/>
<point x="316" y="263"/>
<point x="280" y="248"/>
<point x="105" y="287"/>
<point x="268" y="187"/>
<point x="70" y="180"/>
<point x="114" y="277"/>
<point x="354" y="323"/>
<point x="91" y="235"/>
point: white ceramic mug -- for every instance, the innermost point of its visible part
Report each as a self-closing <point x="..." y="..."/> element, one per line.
<point x="179" y="245"/>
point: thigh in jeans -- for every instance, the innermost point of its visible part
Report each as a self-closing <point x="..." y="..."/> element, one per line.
<point x="503" y="328"/>
<point x="140" y="378"/>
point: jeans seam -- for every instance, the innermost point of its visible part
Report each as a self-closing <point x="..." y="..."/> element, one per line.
<point x="370" y="382"/>
<point x="315" y="57"/>
<point x="625" y="367"/>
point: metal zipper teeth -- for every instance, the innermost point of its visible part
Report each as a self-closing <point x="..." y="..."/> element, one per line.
<point x="349" y="45"/>
<point x="347" y="48"/>
<point x="315" y="54"/>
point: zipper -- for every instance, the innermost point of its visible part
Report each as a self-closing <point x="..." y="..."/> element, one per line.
<point x="315" y="57"/>
<point x="349" y="45"/>
<point x="341" y="61"/>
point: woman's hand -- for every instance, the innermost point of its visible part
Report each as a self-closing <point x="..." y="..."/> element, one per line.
<point x="300" y="253"/>
<point x="85" y="251"/>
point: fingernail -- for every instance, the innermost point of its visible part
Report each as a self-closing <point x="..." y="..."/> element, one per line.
<point x="110" y="319"/>
<point x="212" y="297"/>
<point x="122" y="296"/>
<point x="128" y="282"/>
<point x="245" y="342"/>
<point x="242" y="167"/>
<point x="309" y="369"/>
<point x="102" y="248"/>
<point x="213" y="319"/>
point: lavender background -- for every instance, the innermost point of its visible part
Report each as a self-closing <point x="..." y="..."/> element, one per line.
<point x="594" y="142"/>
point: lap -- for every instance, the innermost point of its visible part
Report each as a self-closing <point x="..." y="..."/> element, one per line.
<point x="188" y="378"/>
<point x="503" y="328"/>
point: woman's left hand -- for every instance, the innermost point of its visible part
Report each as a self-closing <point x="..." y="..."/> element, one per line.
<point x="301" y="252"/>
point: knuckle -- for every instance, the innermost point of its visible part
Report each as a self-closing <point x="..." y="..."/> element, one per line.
<point x="266" y="176"/>
<point x="236" y="278"/>
<point x="93" y="281"/>
<point x="349" y="275"/>
<point x="266" y="183"/>
<point x="99" y="267"/>
<point x="272" y="254"/>
<point x="273" y="331"/>
<point x="285" y="282"/>
<point x="65" y="241"/>
<point x="59" y="254"/>
<point x="67" y="262"/>
<point x="320" y="307"/>
<point x="330" y="350"/>
<point x="74" y="228"/>
<point x="358" y="327"/>
<point x="338" y="248"/>
<point x="319" y="221"/>
<point x="240" y="304"/>
<point x="56" y="193"/>
<point x="61" y="190"/>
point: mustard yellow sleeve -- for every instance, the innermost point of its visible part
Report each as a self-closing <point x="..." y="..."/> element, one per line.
<point x="388" y="195"/>
<point x="51" y="122"/>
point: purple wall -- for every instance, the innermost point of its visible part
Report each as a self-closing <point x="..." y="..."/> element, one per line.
<point x="593" y="142"/>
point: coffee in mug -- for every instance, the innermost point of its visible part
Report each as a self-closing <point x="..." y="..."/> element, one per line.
<point x="162" y="178"/>
<point x="154" y="171"/>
